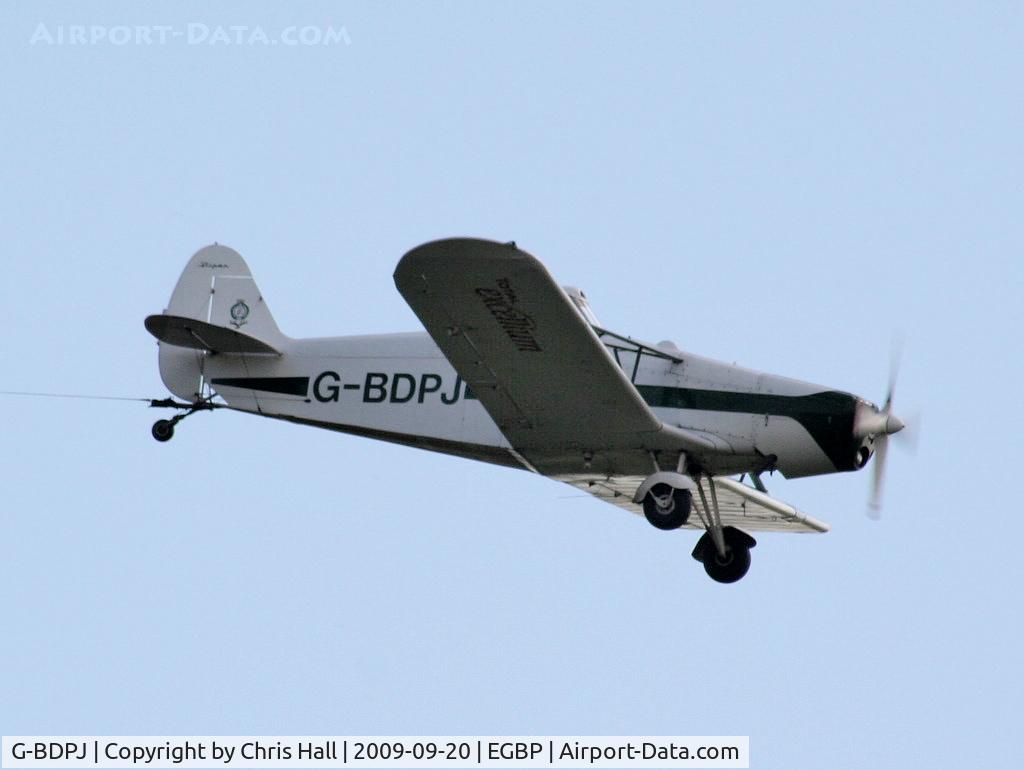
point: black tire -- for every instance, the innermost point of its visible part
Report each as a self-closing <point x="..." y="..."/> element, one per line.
<point x="671" y="516"/>
<point x="163" y="430"/>
<point x="730" y="568"/>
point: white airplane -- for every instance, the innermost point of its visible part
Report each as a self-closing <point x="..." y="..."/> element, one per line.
<point x="515" y="370"/>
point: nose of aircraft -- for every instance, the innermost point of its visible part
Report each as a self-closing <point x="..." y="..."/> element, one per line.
<point x="872" y="421"/>
<point x="893" y="424"/>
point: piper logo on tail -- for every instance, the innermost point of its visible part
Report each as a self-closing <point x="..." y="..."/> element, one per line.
<point x="239" y="312"/>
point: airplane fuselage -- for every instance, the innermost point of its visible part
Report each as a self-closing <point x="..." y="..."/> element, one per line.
<point x="401" y="388"/>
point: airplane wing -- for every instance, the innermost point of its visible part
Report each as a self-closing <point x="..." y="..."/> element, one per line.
<point x="529" y="355"/>
<point x="740" y="506"/>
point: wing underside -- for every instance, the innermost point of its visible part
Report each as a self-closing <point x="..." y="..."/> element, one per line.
<point x="740" y="506"/>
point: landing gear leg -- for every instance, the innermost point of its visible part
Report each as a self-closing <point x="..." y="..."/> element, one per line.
<point x="724" y="551"/>
<point x="163" y="430"/>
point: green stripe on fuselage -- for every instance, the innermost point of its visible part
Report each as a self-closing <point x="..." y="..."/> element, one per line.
<point x="826" y="416"/>
<point x="288" y="386"/>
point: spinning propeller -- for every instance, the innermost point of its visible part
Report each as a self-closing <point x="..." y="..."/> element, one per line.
<point x="878" y="424"/>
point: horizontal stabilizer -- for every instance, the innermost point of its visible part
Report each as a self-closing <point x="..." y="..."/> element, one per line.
<point x="199" y="335"/>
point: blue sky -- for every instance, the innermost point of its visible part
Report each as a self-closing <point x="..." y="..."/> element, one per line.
<point x="783" y="185"/>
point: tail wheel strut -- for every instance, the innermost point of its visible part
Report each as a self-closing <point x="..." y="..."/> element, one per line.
<point x="163" y="430"/>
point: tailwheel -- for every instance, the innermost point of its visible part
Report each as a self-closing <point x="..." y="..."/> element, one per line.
<point x="667" y="508"/>
<point x="734" y="563"/>
<point x="163" y="430"/>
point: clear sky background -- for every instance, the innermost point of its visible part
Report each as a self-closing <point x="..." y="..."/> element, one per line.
<point x="781" y="185"/>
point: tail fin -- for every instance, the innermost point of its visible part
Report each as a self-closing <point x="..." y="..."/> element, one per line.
<point x="216" y="307"/>
<point x="217" y="287"/>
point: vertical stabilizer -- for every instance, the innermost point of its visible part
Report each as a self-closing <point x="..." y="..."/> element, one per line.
<point x="217" y="288"/>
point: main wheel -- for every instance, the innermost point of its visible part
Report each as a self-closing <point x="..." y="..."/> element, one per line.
<point x="667" y="508"/>
<point x="163" y="430"/>
<point x="731" y="567"/>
